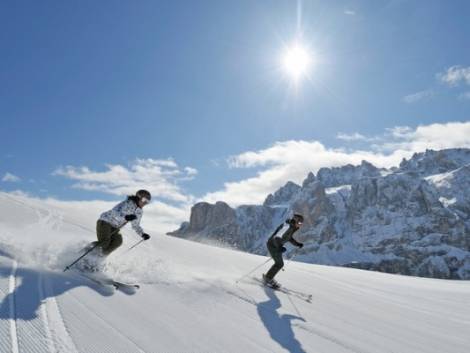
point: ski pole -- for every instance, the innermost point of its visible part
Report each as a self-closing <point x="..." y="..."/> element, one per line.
<point x="249" y="273"/>
<point x="133" y="246"/>
<point x="296" y="251"/>
<point x="92" y="248"/>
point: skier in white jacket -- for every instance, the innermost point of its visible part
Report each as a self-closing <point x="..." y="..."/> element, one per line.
<point x="130" y="210"/>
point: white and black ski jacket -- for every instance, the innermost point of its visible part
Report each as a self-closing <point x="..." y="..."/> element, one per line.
<point x="115" y="217"/>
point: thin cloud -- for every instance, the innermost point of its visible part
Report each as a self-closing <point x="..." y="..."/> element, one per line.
<point x="351" y="137"/>
<point x="464" y="96"/>
<point x="10" y="178"/>
<point x="455" y="75"/>
<point x="418" y="96"/>
<point x="349" y="12"/>
<point x="356" y="137"/>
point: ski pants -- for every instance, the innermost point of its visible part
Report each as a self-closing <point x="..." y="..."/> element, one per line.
<point x="109" y="239"/>
<point x="275" y="250"/>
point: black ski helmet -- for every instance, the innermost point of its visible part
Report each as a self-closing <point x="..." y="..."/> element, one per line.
<point x="143" y="194"/>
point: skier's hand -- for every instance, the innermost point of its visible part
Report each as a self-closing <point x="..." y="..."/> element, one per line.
<point x="301" y="246"/>
<point x="145" y="236"/>
<point x="130" y="217"/>
<point x="283" y="249"/>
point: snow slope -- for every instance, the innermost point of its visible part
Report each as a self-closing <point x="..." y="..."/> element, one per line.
<point x="189" y="300"/>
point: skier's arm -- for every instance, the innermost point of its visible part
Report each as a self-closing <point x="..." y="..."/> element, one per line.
<point x="295" y="242"/>
<point x="277" y="230"/>
<point x="136" y="224"/>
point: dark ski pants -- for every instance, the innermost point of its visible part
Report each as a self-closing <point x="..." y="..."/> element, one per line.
<point x="276" y="253"/>
<point x="109" y="239"/>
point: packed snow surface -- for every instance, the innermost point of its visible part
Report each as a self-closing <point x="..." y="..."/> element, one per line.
<point x="190" y="300"/>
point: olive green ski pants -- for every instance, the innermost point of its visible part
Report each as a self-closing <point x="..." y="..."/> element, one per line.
<point x="109" y="238"/>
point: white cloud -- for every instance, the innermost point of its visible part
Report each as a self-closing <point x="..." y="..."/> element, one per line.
<point x="434" y="136"/>
<point x="357" y="137"/>
<point x="292" y="160"/>
<point x="160" y="177"/>
<point x="351" y="137"/>
<point x="349" y="12"/>
<point x="8" y="177"/>
<point x="415" y="97"/>
<point x="191" y="172"/>
<point x="455" y="75"/>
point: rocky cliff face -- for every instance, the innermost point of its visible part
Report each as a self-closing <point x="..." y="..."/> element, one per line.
<point x="413" y="219"/>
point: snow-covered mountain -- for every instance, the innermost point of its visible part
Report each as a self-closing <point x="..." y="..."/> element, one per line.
<point x="189" y="300"/>
<point x="412" y="219"/>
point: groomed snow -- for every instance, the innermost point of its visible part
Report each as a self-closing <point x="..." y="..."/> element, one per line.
<point x="189" y="300"/>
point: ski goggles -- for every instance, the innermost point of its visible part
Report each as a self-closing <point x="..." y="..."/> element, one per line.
<point x="144" y="200"/>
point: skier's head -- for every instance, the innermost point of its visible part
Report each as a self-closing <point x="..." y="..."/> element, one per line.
<point x="297" y="220"/>
<point x="143" y="197"/>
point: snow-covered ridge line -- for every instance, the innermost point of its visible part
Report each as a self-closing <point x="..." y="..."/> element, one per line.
<point x="362" y="216"/>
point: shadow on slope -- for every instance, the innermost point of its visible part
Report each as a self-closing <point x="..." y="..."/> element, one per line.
<point x="32" y="288"/>
<point x="279" y="326"/>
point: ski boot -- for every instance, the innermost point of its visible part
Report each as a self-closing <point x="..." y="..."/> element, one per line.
<point x="272" y="283"/>
<point x="94" y="262"/>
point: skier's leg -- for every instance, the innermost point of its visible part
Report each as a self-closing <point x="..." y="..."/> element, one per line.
<point x="116" y="242"/>
<point x="276" y="254"/>
<point x="104" y="232"/>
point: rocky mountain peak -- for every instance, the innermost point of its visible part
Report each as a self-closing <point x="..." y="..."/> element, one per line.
<point x="412" y="220"/>
<point x="284" y="195"/>
<point x="435" y="162"/>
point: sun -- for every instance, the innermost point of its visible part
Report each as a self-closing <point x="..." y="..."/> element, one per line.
<point x="297" y="61"/>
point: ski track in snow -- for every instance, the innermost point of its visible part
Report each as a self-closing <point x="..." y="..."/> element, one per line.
<point x="100" y="321"/>
<point x="45" y="316"/>
<point x="46" y="332"/>
<point x="58" y="335"/>
<point x="11" y="293"/>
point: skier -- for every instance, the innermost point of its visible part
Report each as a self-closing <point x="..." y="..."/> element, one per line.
<point x="108" y="225"/>
<point x="276" y="247"/>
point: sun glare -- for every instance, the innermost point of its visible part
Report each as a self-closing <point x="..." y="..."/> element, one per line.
<point x="297" y="61"/>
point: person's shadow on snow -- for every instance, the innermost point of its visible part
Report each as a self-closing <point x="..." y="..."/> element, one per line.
<point x="279" y="326"/>
<point x="31" y="290"/>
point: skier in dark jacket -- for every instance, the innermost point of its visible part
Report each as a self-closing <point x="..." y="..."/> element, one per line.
<point x="276" y="247"/>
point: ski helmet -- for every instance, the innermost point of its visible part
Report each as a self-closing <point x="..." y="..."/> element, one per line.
<point x="299" y="218"/>
<point x="143" y="194"/>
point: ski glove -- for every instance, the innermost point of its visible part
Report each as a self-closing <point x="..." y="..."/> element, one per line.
<point x="145" y="236"/>
<point x="130" y="217"/>
<point x="283" y="249"/>
<point x="301" y="245"/>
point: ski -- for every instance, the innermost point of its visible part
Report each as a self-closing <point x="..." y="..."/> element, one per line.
<point x="119" y="285"/>
<point x="104" y="281"/>
<point x="300" y="295"/>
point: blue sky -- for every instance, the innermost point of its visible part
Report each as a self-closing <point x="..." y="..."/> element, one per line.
<point x="189" y="100"/>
